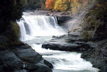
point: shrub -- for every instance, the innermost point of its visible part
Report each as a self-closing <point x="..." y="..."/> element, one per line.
<point x="13" y="32"/>
<point x="85" y="35"/>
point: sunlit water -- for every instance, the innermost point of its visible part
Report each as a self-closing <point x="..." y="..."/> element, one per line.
<point x="35" y="30"/>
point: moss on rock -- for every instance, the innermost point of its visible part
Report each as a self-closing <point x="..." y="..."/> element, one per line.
<point x="13" y="34"/>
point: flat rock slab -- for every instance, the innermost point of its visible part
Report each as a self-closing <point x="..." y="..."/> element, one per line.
<point x="67" y="43"/>
<point x="61" y="44"/>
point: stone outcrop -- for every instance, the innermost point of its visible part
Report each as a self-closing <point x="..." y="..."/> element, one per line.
<point x="97" y="56"/>
<point x="68" y="43"/>
<point x="22" y="59"/>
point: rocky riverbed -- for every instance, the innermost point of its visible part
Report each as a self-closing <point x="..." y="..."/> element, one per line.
<point x="92" y="50"/>
<point x="24" y="58"/>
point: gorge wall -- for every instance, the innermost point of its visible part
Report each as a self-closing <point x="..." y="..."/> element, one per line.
<point x="95" y="27"/>
<point x="95" y="20"/>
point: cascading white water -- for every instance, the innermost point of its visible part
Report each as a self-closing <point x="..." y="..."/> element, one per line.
<point x="64" y="61"/>
<point x="36" y="25"/>
<point x="41" y="28"/>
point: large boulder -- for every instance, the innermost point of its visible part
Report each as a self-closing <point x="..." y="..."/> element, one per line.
<point x="23" y="58"/>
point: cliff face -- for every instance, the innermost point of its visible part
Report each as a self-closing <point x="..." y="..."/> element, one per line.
<point x="95" y="27"/>
<point x="95" y="21"/>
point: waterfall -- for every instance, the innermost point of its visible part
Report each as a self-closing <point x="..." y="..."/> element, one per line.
<point x="36" y="29"/>
<point x="37" y="25"/>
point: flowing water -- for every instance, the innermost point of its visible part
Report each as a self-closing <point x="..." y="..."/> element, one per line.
<point x="36" y="29"/>
<point x="36" y="25"/>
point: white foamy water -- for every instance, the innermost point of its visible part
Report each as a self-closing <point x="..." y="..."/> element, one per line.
<point x="38" y="29"/>
<point x="65" y="61"/>
<point x="36" y="25"/>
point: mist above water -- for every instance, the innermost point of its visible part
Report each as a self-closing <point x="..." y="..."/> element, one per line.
<point x="75" y="23"/>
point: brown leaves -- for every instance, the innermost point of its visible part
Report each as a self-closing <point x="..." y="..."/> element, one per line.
<point x="49" y="4"/>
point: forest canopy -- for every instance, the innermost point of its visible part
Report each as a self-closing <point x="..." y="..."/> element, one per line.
<point x="65" y="5"/>
<point x="49" y="4"/>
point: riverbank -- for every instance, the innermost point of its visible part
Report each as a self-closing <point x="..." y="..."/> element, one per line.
<point x="22" y="58"/>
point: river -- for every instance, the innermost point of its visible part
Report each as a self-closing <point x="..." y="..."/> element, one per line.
<point x="36" y="29"/>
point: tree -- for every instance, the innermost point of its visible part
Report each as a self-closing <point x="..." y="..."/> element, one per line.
<point x="10" y="10"/>
<point x="49" y="4"/>
<point x="61" y="5"/>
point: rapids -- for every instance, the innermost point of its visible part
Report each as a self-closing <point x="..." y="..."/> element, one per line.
<point x="36" y="29"/>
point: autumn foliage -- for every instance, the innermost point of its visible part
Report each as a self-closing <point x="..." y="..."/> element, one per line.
<point x="67" y="5"/>
<point x="61" y="5"/>
<point x="49" y="4"/>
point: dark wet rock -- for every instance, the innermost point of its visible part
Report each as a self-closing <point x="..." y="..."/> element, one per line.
<point x="98" y="55"/>
<point x="64" y="43"/>
<point x="23" y="59"/>
<point x="27" y="54"/>
<point x="10" y="61"/>
<point x="62" y="19"/>
<point x="94" y="51"/>
<point x="66" y="46"/>
<point x="48" y="64"/>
